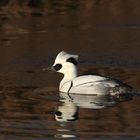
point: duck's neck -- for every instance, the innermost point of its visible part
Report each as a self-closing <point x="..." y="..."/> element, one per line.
<point x="69" y="76"/>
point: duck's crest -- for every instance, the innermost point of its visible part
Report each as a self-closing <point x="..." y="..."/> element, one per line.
<point x="63" y="56"/>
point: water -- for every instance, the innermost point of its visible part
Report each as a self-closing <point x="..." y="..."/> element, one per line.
<point x="34" y="114"/>
<point x="105" y="34"/>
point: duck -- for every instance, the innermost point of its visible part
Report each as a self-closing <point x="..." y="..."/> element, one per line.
<point x="87" y="84"/>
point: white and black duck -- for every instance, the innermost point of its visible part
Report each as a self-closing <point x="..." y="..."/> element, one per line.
<point x="66" y="64"/>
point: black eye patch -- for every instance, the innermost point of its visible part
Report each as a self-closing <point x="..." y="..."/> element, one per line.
<point x="72" y="60"/>
<point x="58" y="113"/>
<point x="57" y="67"/>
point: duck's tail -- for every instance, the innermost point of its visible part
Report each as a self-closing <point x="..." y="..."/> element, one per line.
<point x="124" y="94"/>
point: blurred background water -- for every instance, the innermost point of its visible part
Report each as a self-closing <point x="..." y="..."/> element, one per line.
<point x="104" y="33"/>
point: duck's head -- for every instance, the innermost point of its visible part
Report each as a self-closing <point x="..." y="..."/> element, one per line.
<point x="65" y="62"/>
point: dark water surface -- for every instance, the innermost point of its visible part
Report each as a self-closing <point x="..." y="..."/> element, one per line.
<point x="104" y="33"/>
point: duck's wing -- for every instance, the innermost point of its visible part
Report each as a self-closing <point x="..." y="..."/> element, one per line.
<point x="92" y="80"/>
<point x="88" y="80"/>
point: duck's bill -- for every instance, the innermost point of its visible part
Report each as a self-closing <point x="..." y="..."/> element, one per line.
<point x="48" y="69"/>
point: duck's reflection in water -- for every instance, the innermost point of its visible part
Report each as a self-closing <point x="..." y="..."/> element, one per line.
<point x="68" y="111"/>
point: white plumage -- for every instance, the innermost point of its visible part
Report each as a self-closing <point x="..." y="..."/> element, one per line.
<point x="87" y="84"/>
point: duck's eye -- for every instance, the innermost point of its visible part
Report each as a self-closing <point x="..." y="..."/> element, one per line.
<point x="57" y="67"/>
